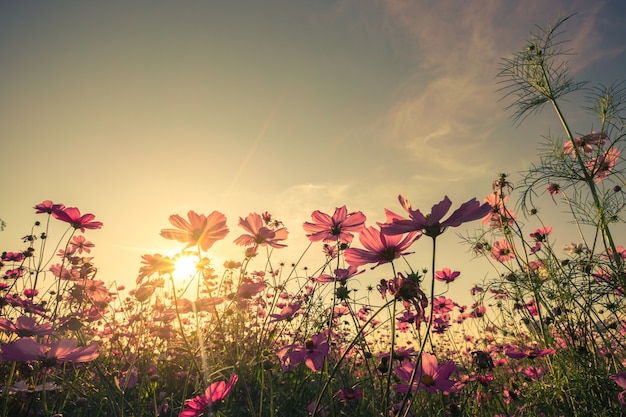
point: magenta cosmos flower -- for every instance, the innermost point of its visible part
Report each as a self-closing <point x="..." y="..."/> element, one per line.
<point x="430" y="375"/>
<point x="47" y="206"/>
<point x="431" y="224"/>
<point x="26" y="326"/>
<point x="446" y="275"/>
<point x="312" y="353"/>
<point x="199" y="230"/>
<point x="72" y="216"/>
<point x="379" y="247"/>
<point x="260" y="235"/>
<point x="335" y="228"/>
<point x="65" y="350"/>
<point x="211" y="400"/>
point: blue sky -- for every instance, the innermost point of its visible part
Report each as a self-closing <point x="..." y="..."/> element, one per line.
<point x="137" y="110"/>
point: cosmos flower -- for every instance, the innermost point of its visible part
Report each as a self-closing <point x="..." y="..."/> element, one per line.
<point x="65" y="350"/>
<point x="48" y="206"/>
<point x="501" y="251"/>
<point x="430" y="375"/>
<point x="431" y="224"/>
<point x="25" y="326"/>
<point x="601" y="167"/>
<point x="380" y="248"/>
<point x="199" y="230"/>
<point x="211" y="400"/>
<point x="72" y="216"/>
<point x="335" y="228"/>
<point x="341" y="275"/>
<point x="312" y="353"/>
<point x="260" y="235"/>
<point x="446" y="275"/>
<point x="584" y="144"/>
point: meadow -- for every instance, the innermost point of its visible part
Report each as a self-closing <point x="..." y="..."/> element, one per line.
<point x="543" y="337"/>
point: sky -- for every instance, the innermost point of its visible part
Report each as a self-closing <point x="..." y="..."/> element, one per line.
<point x="134" y="111"/>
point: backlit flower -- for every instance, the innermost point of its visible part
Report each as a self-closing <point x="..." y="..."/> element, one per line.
<point x="602" y="166"/>
<point x="431" y="224"/>
<point x="65" y="350"/>
<point x="199" y="230"/>
<point x="72" y="216"/>
<point x="430" y="375"/>
<point x="446" y="275"/>
<point x="380" y="248"/>
<point x="584" y="144"/>
<point x="25" y="326"/>
<point x="312" y="353"/>
<point x="47" y="206"/>
<point x="211" y="400"/>
<point x="335" y="228"/>
<point x="260" y="235"/>
<point x="501" y="251"/>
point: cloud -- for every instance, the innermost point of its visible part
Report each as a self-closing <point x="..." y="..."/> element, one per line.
<point x="446" y="113"/>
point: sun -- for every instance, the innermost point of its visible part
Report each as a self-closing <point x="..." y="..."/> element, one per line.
<point x="185" y="266"/>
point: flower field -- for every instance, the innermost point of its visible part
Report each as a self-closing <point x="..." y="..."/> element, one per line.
<point x="255" y="337"/>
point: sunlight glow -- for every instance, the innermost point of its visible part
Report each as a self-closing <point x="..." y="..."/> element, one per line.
<point x="185" y="266"/>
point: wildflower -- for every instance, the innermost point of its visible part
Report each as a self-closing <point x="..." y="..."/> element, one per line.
<point x="446" y="275"/>
<point x="335" y="228"/>
<point x="25" y="326"/>
<point x="431" y="224"/>
<point x="530" y="353"/>
<point x="620" y="379"/>
<point x="211" y="400"/>
<point x="312" y="353"/>
<point x="380" y="248"/>
<point x="95" y="290"/>
<point x="540" y="235"/>
<point x="553" y="188"/>
<point x="431" y="376"/>
<point x="260" y="235"/>
<point x="442" y="305"/>
<point x="155" y="264"/>
<point x="349" y="395"/>
<point x="287" y="313"/>
<point x="602" y="166"/>
<point x="199" y="230"/>
<point x="341" y="275"/>
<point x="72" y="216"/>
<point x="584" y="144"/>
<point x="408" y="291"/>
<point x="500" y="214"/>
<point x="65" y="350"/>
<point x="48" y="206"/>
<point x="501" y="251"/>
<point x="78" y="243"/>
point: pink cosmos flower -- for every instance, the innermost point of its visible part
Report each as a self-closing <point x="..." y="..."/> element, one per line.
<point x="446" y="275"/>
<point x="335" y="228"/>
<point x="199" y="230"/>
<point x="431" y="224"/>
<point x="349" y="395"/>
<point x="530" y="353"/>
<point x="601" y="167"/>
<point x="620" y="379"/>
<point x="341" y="275"/>
<point x="501" y="251"/>
<point x="65" y="350"/>
<point x="442" y="305"/>
<point x="553" y="188"/>
<point x="211" y="400"/>
<point x="260" y="235"/>
<point x="80" y="244"/>
<point x="72" y="216"/>
<point x="540" y="235"/>
<point x="584" y="144"/>
<point x="380" y="248"/>
<point x="288" y="312"/>
<point x="155" y="264"/>
<point x="500" y="214"/>
<point x="48" y="206"/>
<point x="26" y="326"/>
<point x="312" y="353"/>
<point x="430" y="375"/>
